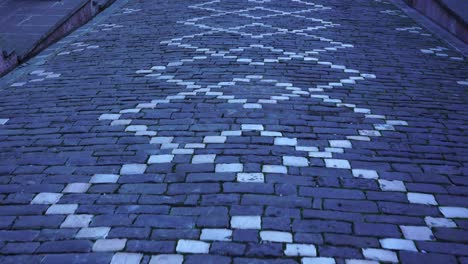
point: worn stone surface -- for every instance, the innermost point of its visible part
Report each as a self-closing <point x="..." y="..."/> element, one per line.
<point x="237" y="131"/>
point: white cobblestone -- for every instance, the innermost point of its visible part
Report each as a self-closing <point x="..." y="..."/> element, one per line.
<point x="284" y="141"/>
<point x="274" y="169"/>
<point x="192" y="246"/>
<point x="421" y="198"/>
<point x="337" y="164"/>
<point x="161" y="140"/>
<point x="167" y="259"/>
<point x="276" y="236"/>
<point x="398" y="244"/>
<point x="109" y="116"/>
<point x="231" y="133"/>
<point x="77" y="187"/>
<point x="334" y="150"/>
<point x="93" y="232"/>
<point x="126" y="258"/>
<point x="108" y="245"/>
<point x="216" y="234"/>
<point x="252" y="127"/>
<point x="136" y="128"/>
<point x="340" y="143"/>
<point x="295" y="161"/>
<point x="305" y="250"/>
<point x="133" y="169"/>
<point x="439" y="222"/>
<point x="454" y="212"/>
<point x="246" y="222"/>
<point x="46" y="198"/>
<point x="182" y="151"/>
<point x="104" y="178"/>
<point x="229" y="167"/>
<point x="321" y="260"/>
<point x="320" y="154"/>
<point x="205" y="158"/>
<point x="270" y="134"/>
<point x="250" y="177"/>
<point x="370" y="133"/>
<point x="77" y="221"/>
<point x="366" y="174"/>
<point x="417" y="232"/>
<point x="121" y="122"/>
<point x="62" y="209"/>
<point x="306" y="148"/>
<point x="164" y="158"/>
<point x="214" y="139"/>
<point x="380" y="255"/>
<point x="396" y="186"/>
<point x="360" y="261"/>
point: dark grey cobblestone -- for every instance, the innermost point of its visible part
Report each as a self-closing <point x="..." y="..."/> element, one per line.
<point x="237" y="131"/>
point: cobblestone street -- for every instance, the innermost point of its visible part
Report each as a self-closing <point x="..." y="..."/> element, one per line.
<point x="238" y="131"/>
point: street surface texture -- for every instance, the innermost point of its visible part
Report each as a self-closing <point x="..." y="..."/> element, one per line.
<point x="239" y="131"/>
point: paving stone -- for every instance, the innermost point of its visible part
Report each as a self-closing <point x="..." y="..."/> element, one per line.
<point x="192" y="246"/>
<point x="276" y="236"/>
<point x="167" y="259"/>
<point x="246" y="222"/>
<point x="46" y="198"/>
<point x="417" y="232"/>
<point x="380" y="255"/>
<point x="62" y="209"/>
<point x="216" y="234"/>
<point x="398" y="244"/>
<point x="109" y="245"/>
<point x="300" y="250"/>
<point x="126" y="258"/>
<point x="421" y="198"/>
<point x="77" y="221"/>
<point x="128" y="169"/>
